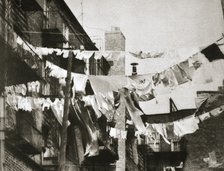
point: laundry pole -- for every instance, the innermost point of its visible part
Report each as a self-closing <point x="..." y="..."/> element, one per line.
<point x="62" y="154"/>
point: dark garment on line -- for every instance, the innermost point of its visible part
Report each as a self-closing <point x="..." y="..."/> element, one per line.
<point x="213" y="52"/>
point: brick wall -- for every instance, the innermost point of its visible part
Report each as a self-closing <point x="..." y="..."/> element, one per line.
<point x="15" y="162"/>
<point x="208" y="138"/>
<point x="131" y="155"/>
<point x="114" y="40"/>
<point x="120" y="165"/>
<point x="118" y="67"/>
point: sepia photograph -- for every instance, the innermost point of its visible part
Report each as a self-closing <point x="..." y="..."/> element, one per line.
<point x="111" y="85"/>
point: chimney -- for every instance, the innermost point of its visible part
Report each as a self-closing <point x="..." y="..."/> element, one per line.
<point x="134" y="68"/>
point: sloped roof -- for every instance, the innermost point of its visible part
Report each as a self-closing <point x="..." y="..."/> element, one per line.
<point x="89" y="45"/>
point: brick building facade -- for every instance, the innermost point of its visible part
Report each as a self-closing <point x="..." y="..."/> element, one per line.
<point x="41" y="23"/>
<point x="114" y="40"/>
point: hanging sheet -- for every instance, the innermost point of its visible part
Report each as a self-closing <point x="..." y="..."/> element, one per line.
<point x="133" y="111"/>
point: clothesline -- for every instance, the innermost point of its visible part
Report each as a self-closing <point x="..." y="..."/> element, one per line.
<point x="64" y="52"/>
<point x="28" y="103"/>
<point x="149" y="86"/>
<point x="104" y="85"/>
<point x="181" y="127"/>
<point x="81" y="79"/>
<point x="59" y="51"/>
<point x="79" y="54"/>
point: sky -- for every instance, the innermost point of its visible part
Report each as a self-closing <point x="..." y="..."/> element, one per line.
<point x="150" y="25"/>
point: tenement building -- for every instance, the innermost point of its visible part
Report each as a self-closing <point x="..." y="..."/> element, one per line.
<point x="36" y="35"/>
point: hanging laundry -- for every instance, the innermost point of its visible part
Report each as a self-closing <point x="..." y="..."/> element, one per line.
<point x="91" y="101"/>
<point x="189" y="70"/>
<point x="161" y="129"/>
<point x="134" y="112"/>
<point x="197" y="60"/>
<point x="216" y="112"/>
<point x="49" y="152"/>
<point x="38" y="116"/>
<point x="214" y="100"/>
<point x="184" y="96"/>
<point x="9" y="90"/>
<point x="113" y="132"/>
<point x="151" y="133"/>
<point x="117" y="133"/>
<point x="142" y="85"/>
<point x="55" y="71"/>
<point x="200" y="99"/>
<point x="213" y="52"/>
<point x="84" y="55"/>
<point x="79" y="81"/>
<point x="46" y="51"/>
<point x="142" y="55"/>
<point x="164" y="79"/>
<point x="20" y="89"/>
<point x="185" y="126"/>
<point x="19" y="40"/>
<point x="169" y="74"/>
<point x="75" y="52"/>
<point x="170" y="132"/>
<point x="204" y="116"/>
<point x="108" y="104"/>
<point x="46" y="104"/>
<point x="167" y="82"/>
<point x="156" y="79"/>
<point x="205" y="74"/>
<point x="33" y="87"/>
<point x="135" y="100"/>
<point x="24" y="103"/>
<point x="106" y="84"/>
<point x="154" y="65"/>
<point x="110" y="55"/>
<point x="59" y="52"/>
<point x="129" y="122"/>
<point x="123" y="135"/>
<point x="105" y="65"/>
<point x="58" y="109"/>
<point x="104" y="88"/>
<point x="159" y="105"/>
<point x="163" y="87"/>
<point x="12" y="101"/>
<point x="180" y="74"/>
<point x="37" y="103"/>
<point x="116" y="100"/>
<point x="140" y="138"/>
<point x="99" y="54"/>
<point x="65" y="53"/>
<point x="89" y="130"/>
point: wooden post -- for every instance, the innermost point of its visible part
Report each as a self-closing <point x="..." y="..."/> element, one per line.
<point x="62" y="154"/>
<point x="2" y="133"/>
